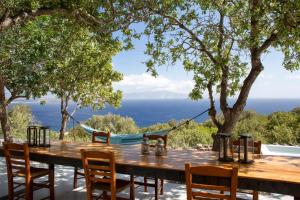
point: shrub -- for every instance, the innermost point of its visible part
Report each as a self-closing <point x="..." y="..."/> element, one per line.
<point x="253" y="123"/>
<point x="186" y="136"/>
<point x="20" y="117"/>
<point x="113" y="123"/>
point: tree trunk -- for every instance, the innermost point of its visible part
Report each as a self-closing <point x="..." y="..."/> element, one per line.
<point x="64" y="117"/>
<point x="227" y="127"/>
<point x="3" y="111"/>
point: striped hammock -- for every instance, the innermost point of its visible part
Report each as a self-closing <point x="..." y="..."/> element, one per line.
<point x="125" y="139"/>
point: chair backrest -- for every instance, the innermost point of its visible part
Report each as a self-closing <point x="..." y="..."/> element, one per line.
<point x="194" y="189"/>
<point x="256" y="144"/>
<point x="101" y="134"/>
<point x="155" y="137"/>
<point x="99" y="167"/>
<point x="17" y="159"/>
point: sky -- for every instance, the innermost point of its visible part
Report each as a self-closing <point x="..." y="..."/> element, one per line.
<point x="175" y="82"/>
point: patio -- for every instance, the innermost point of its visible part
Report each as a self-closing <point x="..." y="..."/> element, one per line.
<point x="64" y="187"/>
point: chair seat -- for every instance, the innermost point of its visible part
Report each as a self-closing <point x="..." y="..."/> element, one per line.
<point x="35" y="172"/>
<point x="120" y="185"/>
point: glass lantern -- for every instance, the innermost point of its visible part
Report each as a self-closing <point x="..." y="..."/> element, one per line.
<point x="246" y="148"/>
<point x="145" y="146"/>
<point x="159" y="147"/>
<point x="225" y="147"/>
<point x="44" y="136"/>
<point x="32" y="136"/>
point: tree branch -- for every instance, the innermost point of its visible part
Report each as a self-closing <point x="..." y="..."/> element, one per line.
<point x="11" y="98"/>
<point x="192" y="34"/>
<point x="212" y="112"/>
<point x="224" y="89"/>
<point x="266" y="44"/>
<point x="221" y="32"/>
<point x="23" y="16"/>
<point x="256" y="65"/>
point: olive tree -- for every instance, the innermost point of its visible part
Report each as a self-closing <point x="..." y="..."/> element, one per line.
<point x="21" y="75"/>
<point x="222" y="42"/>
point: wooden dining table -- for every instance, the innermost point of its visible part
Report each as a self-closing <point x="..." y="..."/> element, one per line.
<point x="273" y="174"/>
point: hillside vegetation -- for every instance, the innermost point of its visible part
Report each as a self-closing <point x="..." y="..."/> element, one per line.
<point x="278" y="127"/>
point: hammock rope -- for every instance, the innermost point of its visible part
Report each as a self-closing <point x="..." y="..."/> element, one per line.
<point x="128" y="139"/>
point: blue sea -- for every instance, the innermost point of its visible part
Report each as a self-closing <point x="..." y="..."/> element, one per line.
<point x="148" y="112"/>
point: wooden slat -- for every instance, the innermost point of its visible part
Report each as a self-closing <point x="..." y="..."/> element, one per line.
<point x="17" y="162"/>
<point x="99" y="167"/>
<point x="100" y="155"/>
<point x="102" y="180"/>
<point x="210" y="187"/>
<point x="211" y="171"/>
<point x="106" y="135"/>
<point x="100" y="173"/>
<point x="210" y="195"/>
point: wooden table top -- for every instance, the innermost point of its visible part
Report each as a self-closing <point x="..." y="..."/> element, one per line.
<point x="272" y="168"/>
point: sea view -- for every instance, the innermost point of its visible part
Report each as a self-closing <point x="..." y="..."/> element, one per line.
<point x="148" y="112"/>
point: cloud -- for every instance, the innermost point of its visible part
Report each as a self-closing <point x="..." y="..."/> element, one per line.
<point x="140" y="83"/>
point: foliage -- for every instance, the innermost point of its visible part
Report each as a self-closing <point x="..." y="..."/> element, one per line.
<point x="113" y="123"/>
<point x="253" y="123"/>
<point x="283" y="128"/>
<point x="222" y="43"/>
<point x="186" y="136"/>
<point x="20" y="117"/>
<point x="26" y="46"/>
<point x="71" y="61"/>
<point x="276" y="128"/>
<point x="78" y="62"/>
<point x="20" y="64"/>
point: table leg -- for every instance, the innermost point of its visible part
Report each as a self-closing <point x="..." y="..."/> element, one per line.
<point x="132" y="188"/>
<point x="51" y="181"/>
<point x="156" y="188"/>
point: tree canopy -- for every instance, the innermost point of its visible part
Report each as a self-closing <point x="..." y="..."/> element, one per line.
<point x="25" y="49"/>
<point x="222" y="42"/>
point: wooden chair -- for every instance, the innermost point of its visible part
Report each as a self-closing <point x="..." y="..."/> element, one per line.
<point x="18" y="165"/>
<point x="155" y="184"/>
<point x="100" y="174"/>
<point x="257" y="150"/>
<point x="205" y="191"/>
<point x="78" y="173"/>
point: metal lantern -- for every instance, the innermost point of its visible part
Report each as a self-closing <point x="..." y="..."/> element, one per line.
<point x="44" y="136"/>
<point x="145" y="146"/>
<point x="225" y="147"/>
<point x="32" y="133"/>
<point x="246" y="148"/>
<point x="159" y="147"/>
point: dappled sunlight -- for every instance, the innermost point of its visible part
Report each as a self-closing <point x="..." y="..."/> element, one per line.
<point x="64" y="187"/>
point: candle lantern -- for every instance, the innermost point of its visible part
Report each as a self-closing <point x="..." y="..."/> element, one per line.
<point x="225" y="147"/>
<point x="246" y="148"/>
<point x="145" y="146"/>
<point x="159" y="147"/>
<point x="32" y="134"/>
<point x="44" y="136"/>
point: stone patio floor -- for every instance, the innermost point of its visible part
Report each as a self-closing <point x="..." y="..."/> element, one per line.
<point x="64" y="188"/>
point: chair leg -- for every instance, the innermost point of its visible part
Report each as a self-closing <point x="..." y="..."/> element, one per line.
<point x="156" y="188"/>
<point x="132" y="192"/>
<point x="145" y="184"/>
<point x="161" y="186"/>
<point x="10" y="188"/>
<point x="28" y="189"/>
<point x="51" y="182"/>
<point x="89" y="192"/>
<point x="255" y="195"/>
<point x="75" y="178"/>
